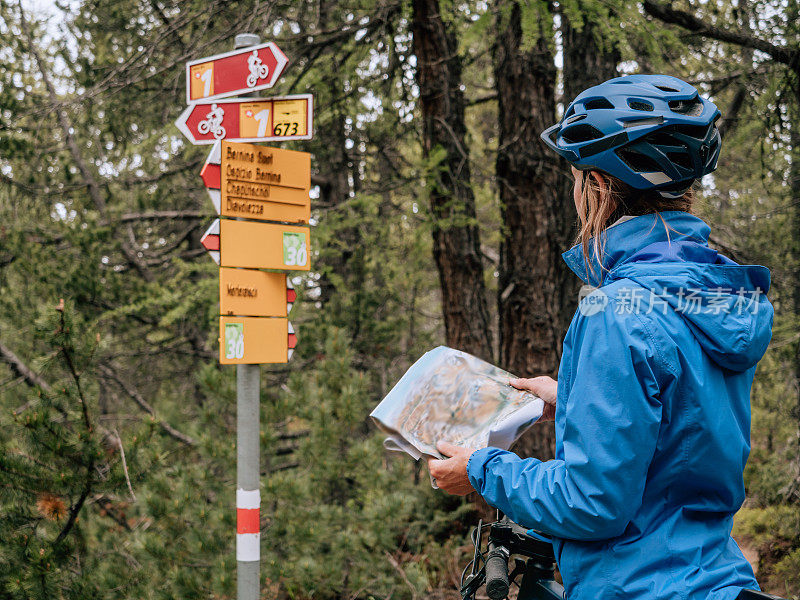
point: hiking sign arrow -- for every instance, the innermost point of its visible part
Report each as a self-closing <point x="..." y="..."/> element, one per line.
<point x="210" y="174"/>
<point x="210" y="240"/>
<point x="242" y="71"/>
<point x="254" y="245"/>
<point x="248" y="119"/>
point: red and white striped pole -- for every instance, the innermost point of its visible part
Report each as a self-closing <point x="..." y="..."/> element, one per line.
<point x="248" y="525"/>
<point x="248" y="497"/>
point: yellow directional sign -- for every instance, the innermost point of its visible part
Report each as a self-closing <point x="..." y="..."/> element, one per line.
<point x="264" y="183"/>
<point x="254" y="340"/>
<point x="264" y="245"/>
<point x="253" y="293"/>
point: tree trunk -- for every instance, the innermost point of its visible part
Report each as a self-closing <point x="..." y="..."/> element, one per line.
<point x="535" y="218"/>
<point x="537" y="293"/>
<point x="456" y="242"/>
<point x="585" y="64"/>
<point x="794" y="187"/>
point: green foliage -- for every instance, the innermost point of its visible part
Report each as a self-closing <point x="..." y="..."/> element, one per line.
<point x="82" y="217"/>
<point x="775" y="532"/>
<point x="57" y="459"/>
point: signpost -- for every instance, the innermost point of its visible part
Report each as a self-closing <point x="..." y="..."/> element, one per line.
<point x="249" y="185"/>
<point x="258" y="245"/>
<point x="248" y="119"/>
<point x="254" y="293"/>
<point x="254" y="340"/>
<point x="264" y="245"/>
<point x="265" y="183"/>
<point x="242" y="71"/>
<point x="259" y="182"/>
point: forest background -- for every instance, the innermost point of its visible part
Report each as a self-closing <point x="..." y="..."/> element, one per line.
<point x="439" y="218"/>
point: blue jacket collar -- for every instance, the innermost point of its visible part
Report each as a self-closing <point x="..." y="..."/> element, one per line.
<point x="621" y="241"/>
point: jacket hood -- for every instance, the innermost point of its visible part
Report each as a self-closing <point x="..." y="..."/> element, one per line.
<point x="724" y="304"/>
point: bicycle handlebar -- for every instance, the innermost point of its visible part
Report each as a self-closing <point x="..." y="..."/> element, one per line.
<point x="497" y="585"/>
<point x="506" y="539"/>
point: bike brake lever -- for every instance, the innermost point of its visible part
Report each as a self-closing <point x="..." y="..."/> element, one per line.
<point x="477" y="553"/>
<point x="475" y="579"/>
<point x="472" y="584"/>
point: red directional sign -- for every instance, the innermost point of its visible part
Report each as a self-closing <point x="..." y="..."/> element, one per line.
<point x="211" y="175"/>
<point x="210" y="240"/>
<point x="248" y="120"/>
<point x="241" y="71"/>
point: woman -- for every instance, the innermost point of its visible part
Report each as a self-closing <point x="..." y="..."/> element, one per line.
<point x="652" y="410"/>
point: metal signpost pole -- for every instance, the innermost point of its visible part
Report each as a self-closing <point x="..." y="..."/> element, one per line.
<point x="247" y="478"/>
<point x="248" y="496"/>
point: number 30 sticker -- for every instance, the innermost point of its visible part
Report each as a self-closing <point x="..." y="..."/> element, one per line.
<point x="294" y="249"/>
<point x="234" y="340"/>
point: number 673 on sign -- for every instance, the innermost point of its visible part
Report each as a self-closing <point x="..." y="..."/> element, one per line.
<point x="262" y="120"/>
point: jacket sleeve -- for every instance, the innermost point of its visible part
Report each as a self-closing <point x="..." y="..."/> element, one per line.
<point x="611" y="425"/>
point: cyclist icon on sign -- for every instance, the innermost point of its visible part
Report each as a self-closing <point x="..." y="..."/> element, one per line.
<point x="258" y="70"/>
<point x="213" y="123"/>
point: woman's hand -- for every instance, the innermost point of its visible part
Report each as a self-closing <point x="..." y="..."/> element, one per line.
<point x="544" y="387"/>
<point x="450" y="474"/>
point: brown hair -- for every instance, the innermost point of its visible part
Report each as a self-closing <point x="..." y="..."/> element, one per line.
<point x="599" y="208"/>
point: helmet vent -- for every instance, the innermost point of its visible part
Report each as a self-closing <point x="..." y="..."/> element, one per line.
<point x="644" y="121"/>
<point x="691" y="108"/>
<point x="666" y="88"/>
<point x="640" y="105"/>
<point x="640" y="163"/>
<point x="580" y="133"/>
<point x="696" y="131"/>
<point x="663" y="137"/>
<point x="597" y="103"/>
<point x="681" y="159"/>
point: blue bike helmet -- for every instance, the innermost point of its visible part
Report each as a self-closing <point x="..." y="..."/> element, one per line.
<point x="650" y="131"/>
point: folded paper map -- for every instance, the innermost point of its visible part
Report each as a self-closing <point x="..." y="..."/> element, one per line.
<point x="452" y="396"/>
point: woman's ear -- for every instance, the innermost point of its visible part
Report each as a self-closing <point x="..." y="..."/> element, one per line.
<point x="600" y="181"/>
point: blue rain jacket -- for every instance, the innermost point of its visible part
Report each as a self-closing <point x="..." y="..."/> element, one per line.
<point x="652" y="421"/>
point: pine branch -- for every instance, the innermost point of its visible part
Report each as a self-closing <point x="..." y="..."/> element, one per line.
<point x="67" y="131"/>
<point x="76" y="508"/>
<point x="87" y="484"/>
<point x="294" y="435"/>
<point x="147" y="179"/>
<point x="67" y="354"/>
<point x="729" y="34"/>
<point x="22" y="370"/>
<point x="162" y="214"/>
<point x="110" y="374"/>
<point x="107" y="509"/>
<point x="124" y="464"/>
<point x="482" y="99"/>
